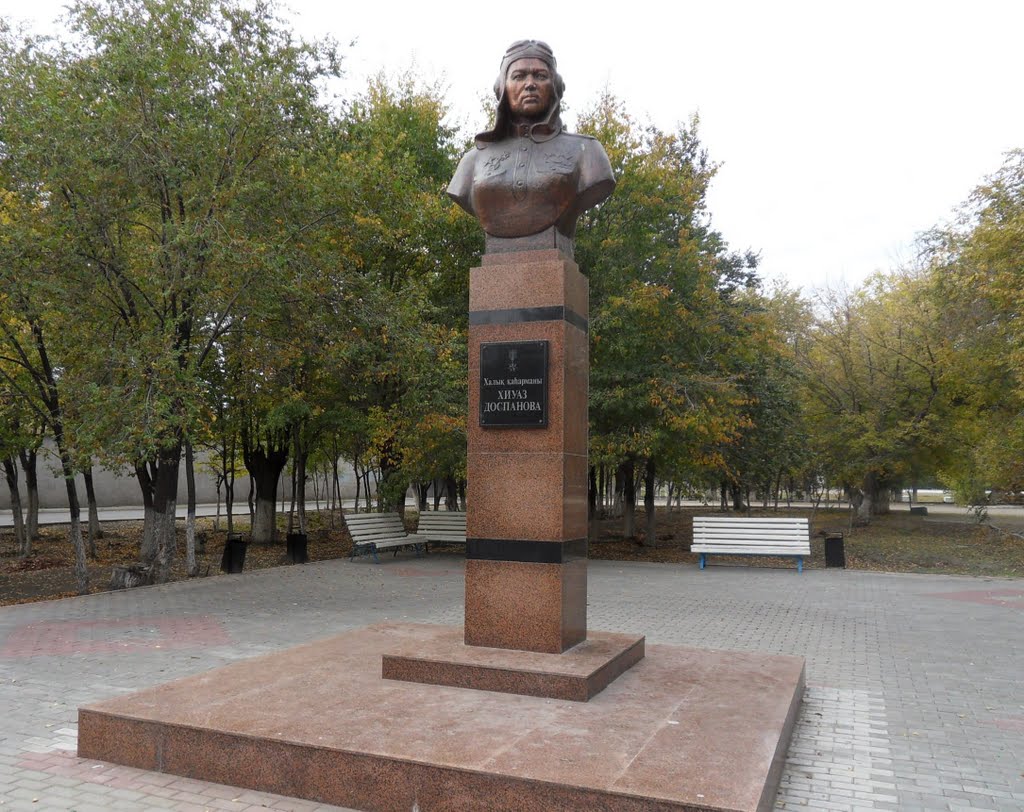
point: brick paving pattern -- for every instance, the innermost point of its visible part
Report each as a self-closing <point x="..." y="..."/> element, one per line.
<point x="914" y="698"/>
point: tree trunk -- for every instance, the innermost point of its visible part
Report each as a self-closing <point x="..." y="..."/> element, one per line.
<point x="251" y="498"/>
<point x="615" y="484"/>
<point x="144" y="474"/>
<point x="649" y="483"/>
<point x="882" y="504"/>
<point x="301" y="457"/>
<point x="861" y="504"/>
<point x="335" y="489"/>
<point x="51" y="397"/>
<point x="229" y="502"/>
<point x="95" y="529"/>
<point x="359" y="485"/>
<point x="165" y="506"/>
<point x="28" y="465"/>
<point x="591" y="496"/>
<point x="627" y="474"/>
<point x="291" y="503"/>
<point x="335" y="485"/>
<point x="216" y="516"/>
<point x="191" y="565"/>
<point x="264" y="529"/>
<point x="265" y="465"/>
<point x="77" y="543"/>
<point x="451" y="488"/>
<point x="869" y="500"/>
<point x="21" y="538"/>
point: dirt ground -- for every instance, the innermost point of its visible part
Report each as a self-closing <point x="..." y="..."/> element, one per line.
<point x="897" y="543"/>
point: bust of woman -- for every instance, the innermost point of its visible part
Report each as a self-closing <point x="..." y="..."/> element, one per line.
<point x="527" y="180"/>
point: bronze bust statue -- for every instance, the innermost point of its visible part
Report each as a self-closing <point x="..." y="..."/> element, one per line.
<point x="528" y="180"/>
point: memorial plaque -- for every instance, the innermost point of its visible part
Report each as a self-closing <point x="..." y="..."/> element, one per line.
<point x="514" y="384"/>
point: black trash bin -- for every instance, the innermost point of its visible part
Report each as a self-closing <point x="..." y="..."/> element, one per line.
<point x="835" y="550"/>
<point x="297" y="551"/>
<point x="233" y="559"/>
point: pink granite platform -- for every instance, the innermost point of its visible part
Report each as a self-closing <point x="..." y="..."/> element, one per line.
<point x="683" y="729"/>
<point x="580" y="673"/>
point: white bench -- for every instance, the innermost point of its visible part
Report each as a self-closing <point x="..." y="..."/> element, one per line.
<point x="727" y="535"/>
<point x="443" y="526"/>
<point x="373" y="532"/>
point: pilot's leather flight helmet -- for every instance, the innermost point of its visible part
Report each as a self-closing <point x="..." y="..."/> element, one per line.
<point x="552" y="123"/>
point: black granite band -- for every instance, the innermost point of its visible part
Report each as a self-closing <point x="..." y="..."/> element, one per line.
<point x="534" y="552"/>
<point x="521" y="314"/>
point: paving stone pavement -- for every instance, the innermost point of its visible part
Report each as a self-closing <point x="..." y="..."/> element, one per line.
<point x="914" y="698"/>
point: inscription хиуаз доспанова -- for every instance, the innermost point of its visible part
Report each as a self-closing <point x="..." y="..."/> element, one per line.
<point x="514" y="384"/>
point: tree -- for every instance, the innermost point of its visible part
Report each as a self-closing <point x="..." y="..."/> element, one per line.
<point x="12" y="441"/>
<point x="30" y="368"/>
<point x="32" y="378"/>
<point x="977" y="270"/>
<point x="407" y="271"/>
<point x="876" y="367"/>
<point x="772" y="439"/>
<point x="155" y="137"/>
<point x="661" y="279"/>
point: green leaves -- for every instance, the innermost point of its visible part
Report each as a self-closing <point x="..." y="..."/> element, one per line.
<point x="876" y="366"/>
<point x="977" y="269"/>
<point x="661" y="343"/>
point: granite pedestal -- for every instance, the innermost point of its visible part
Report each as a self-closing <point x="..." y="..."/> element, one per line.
<point x="526" y="525"/>
<point x="521" y="709"/>
<point x="578" y="674"/>
<point x="683" y="729"/>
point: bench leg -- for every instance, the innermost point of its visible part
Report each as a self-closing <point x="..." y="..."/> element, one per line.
<point x="702" y="559"/>
<point x="799" y="564"/>
<point x="364" y="549"/>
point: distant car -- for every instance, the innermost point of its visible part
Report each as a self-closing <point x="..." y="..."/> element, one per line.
<point x="947" y="497"/>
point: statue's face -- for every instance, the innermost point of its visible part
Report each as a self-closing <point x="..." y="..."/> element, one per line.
<point x="529" y="89"/>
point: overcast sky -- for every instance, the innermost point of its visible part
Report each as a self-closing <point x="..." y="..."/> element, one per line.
<point x="842" y="129"/>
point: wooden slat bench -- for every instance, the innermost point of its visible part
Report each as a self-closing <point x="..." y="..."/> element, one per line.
<point x="373" y="532"/>
<point x="727" y="535"/>
<point x="443" y="526"/>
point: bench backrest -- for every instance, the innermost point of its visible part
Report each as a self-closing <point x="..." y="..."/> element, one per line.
<point x="711" y="529"/>
<point x="450" y="521"/>
<point x="364" y="527"/>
